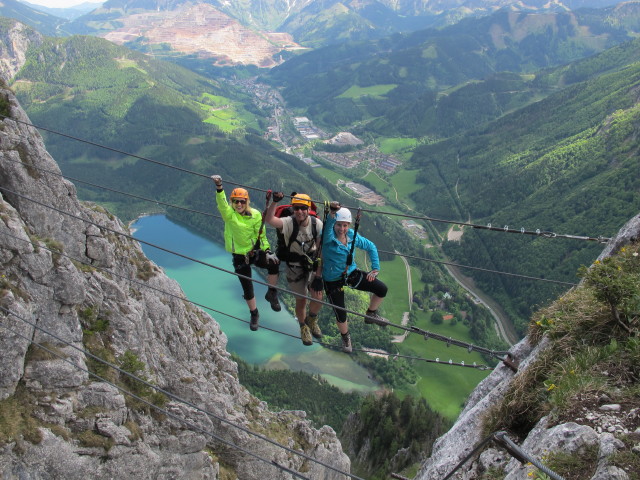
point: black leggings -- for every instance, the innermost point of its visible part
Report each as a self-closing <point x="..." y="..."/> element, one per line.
<point x="357" y="280"/>
<point x="241" y="267"/>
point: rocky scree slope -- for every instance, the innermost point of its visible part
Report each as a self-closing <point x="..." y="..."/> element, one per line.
<point x="74" y="287"/>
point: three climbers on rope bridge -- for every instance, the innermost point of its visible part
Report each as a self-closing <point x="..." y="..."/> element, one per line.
<point x="317" y="256"/>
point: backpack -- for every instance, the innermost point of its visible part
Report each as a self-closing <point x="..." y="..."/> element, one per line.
<point x="282" y="245"/>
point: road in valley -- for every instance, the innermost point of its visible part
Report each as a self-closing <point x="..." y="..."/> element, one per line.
<point x="503" y="325"/>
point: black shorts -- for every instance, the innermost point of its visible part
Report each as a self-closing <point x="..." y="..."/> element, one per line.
<point x="241" y="267"/>
<point x="357" y="280"/>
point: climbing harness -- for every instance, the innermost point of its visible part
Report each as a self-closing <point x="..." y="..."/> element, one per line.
<point x="353" y="246"/>
<point x="256" y="246"/>
<point x="307" y="261"/>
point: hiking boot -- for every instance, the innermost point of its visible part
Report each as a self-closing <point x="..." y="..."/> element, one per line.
<point x="305" y="334"/>
<point x="374" y="317"/>
<point x="312" y="323"/>
<point x="346" y="343"/>
<point x="272" y="297"/>
<point x="255" y="317"/>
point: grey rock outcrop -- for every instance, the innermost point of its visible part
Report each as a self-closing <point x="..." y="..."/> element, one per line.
<point x="73" y="282"/>
<point x="13" y="48"/>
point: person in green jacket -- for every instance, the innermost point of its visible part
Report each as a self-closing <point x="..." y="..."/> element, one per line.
<point x="242" y="225"/>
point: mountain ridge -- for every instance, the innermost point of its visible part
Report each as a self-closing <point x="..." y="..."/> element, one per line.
<point x="310" y="23"/>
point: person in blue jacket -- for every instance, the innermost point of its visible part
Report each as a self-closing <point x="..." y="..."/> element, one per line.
<point x="337" y="241"/>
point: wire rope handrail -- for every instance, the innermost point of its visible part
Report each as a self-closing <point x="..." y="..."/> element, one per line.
<point x="264" y="327"/>
<point x="396" y="253"/>
<point x="504" y="229"/>
<point x="469" y="346"/>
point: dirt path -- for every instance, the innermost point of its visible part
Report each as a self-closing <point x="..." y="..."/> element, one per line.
<point x="400" y="338"/>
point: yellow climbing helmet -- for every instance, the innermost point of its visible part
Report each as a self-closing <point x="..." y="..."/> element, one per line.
<point x="301" y="199"/>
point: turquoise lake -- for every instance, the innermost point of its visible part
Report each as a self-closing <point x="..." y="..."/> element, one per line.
<point x="221" y="291"/>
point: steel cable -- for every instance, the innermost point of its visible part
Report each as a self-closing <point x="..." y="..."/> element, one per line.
<point x="170" y="205"/>
<point x="505" y="229"/>
<point x="178" y="297"/>
<point x="152" y="405"/>
<point x="408" y="329"/>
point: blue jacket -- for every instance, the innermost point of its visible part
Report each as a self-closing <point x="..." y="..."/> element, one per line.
<point x="334" y="252"/>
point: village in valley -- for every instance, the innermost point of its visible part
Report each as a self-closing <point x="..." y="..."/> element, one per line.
<point x="306" y="134"/>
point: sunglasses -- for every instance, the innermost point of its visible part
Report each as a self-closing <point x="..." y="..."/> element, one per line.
<point x="241" y="202"/>
<point x="300" y="207"/>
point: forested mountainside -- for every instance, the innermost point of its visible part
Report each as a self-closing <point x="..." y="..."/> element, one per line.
<point x="45" y="23"/>
<point x="414" y="84"/>
<point x="96" y="91"/>
<point x="567" y="164"/>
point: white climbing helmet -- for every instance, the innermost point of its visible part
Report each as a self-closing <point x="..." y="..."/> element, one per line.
<point x="343" y="215"/>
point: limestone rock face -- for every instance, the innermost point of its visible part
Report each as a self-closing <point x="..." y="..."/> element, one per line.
<point x="73" y="281"/>
<point x="13" y="48"/>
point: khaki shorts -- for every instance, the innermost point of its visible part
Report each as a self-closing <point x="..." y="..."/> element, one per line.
<point x="298" y="279"/>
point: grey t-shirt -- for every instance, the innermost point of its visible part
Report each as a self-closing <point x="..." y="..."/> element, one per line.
<point x="305" y="236"/>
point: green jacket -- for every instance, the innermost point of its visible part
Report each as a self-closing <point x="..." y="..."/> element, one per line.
<point x="240" y="231"/>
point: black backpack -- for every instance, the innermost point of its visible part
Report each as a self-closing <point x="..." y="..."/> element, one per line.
<point x="282" y="245"/>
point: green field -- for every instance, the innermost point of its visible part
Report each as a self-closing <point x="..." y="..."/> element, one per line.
<point x="445" y="387"/>
<point x="374" y="91"/>
<point x="224" y="114"/>
<point x="380" y="185"/>
<point x="329" y="175"/>
<point x="396" y="145"/>
<point x="215" y="100"/>
<point x="405" y="183"/>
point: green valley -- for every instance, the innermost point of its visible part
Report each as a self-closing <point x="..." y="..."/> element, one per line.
<point x="534" y="126"/>
<point x="549" y="150"/>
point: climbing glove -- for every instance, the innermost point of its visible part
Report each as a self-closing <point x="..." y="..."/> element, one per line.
<point x="272" y="257"/>
<point x="316" y="284"/>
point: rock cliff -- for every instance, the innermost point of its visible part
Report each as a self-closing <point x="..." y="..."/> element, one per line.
<point x="73" y="288"/>
<point x="597" y="423"/>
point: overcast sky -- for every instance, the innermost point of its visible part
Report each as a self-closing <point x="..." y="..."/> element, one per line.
<point x="61" y="3"/>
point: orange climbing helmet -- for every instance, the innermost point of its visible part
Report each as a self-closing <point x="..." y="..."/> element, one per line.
<point x="240" y="193"/>
<point x="301" y="199"/>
